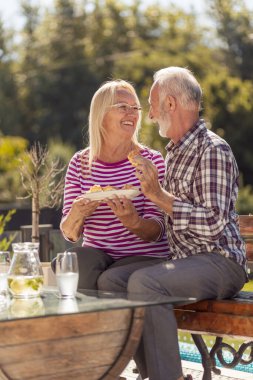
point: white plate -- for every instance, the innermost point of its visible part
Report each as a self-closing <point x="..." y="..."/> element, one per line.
<point x="100" y="195"/>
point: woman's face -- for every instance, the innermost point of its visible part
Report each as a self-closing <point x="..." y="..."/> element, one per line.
<point x="122" y="117"/>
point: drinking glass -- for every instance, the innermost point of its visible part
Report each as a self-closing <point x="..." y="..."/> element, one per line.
<point x="67" y="274"/>
<point x="4" y="268"/>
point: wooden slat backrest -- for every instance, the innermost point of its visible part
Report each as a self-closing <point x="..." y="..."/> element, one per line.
<point x="246" y="229"/>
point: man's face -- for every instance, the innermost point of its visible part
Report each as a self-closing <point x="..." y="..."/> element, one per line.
<point x="157" y="112"/>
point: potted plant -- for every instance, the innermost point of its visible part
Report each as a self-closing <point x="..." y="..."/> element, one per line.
<point x="43" y="180"/>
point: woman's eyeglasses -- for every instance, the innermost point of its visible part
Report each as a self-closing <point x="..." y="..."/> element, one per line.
<point x="126" y="108"/>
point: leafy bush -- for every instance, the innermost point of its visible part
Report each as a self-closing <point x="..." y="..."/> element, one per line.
<point x="12" y="149"/>
<point x="244" y="205"/>
<point x="5" y="241"/>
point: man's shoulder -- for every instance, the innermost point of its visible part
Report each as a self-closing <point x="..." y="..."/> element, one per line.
<point x="209" y="139"/>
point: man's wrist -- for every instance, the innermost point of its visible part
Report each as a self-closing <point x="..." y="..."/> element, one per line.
<point x="164" y="200"/>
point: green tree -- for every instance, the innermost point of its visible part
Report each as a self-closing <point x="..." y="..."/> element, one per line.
<point x="235" y="29"/>
<point x="66" y="83"/>
<point x="9" y="104"/>
<point x="28" y="72"/>
<point x="66" y="52"/>
<point x="12" y="149"/>
<point x="229" y="107"/>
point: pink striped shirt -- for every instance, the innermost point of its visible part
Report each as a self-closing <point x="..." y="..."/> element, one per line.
<point x="103" y="230"/>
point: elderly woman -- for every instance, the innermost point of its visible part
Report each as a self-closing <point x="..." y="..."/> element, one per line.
<point x="116" y="231"/>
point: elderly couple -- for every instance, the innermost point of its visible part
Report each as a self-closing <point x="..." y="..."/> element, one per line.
<point x="179" y="236"/>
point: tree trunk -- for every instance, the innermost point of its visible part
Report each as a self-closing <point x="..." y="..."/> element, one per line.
<point x="35" y="219"/>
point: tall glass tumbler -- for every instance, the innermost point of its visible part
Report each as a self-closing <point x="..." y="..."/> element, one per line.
<point x="67" y="274"/>
<point x="4" y="269"/>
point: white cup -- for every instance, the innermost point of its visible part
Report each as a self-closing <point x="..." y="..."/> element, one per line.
<point x="67" y="274"/>
<point x="4" y="268"/>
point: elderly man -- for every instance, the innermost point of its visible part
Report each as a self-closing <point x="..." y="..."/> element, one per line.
<point x="198" y="200"/>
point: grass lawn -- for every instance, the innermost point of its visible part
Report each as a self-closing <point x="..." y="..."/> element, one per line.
<point x="248" y="287"/>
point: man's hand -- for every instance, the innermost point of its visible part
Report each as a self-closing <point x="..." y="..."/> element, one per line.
<point x="147" y="173"/>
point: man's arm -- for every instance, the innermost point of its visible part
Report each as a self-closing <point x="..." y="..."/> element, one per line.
<point x="151" y="188"/>
<point x="215" y="183"/>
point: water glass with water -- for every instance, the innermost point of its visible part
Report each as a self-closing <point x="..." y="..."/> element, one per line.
<point x="4" y="268"/>
<point x="67" y="274"/>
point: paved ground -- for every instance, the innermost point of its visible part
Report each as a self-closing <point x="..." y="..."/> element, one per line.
<point x="196" y="371"/>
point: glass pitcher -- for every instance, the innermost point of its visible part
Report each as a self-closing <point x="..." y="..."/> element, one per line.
<point x="25" y="277"/>
<point x="33" y="247"/>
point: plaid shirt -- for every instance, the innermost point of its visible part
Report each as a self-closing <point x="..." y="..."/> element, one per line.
<point x="203" y="176"/>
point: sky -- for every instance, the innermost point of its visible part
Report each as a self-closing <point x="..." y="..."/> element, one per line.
<point x="9" y="9"/>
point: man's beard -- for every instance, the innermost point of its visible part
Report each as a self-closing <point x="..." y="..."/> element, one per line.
<point x="164" y="126"/>
<point x="164" y="123"/>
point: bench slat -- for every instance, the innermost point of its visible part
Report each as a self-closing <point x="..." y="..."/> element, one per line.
<point x="235" y="306"/>
<point x="218" y="323"/>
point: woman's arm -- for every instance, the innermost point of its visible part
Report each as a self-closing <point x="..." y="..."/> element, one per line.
<point x="72" y="223"/>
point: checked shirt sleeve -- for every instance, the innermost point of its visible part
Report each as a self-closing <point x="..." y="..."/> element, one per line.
<point x="213" y="192"/>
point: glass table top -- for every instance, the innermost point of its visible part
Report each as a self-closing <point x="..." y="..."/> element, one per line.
<point x="86" y="301"/>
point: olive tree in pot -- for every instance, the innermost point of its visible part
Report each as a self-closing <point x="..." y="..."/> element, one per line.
<point x="43" y="181"/>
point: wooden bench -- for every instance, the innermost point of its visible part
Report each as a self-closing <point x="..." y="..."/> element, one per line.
<point x="223" y="319"/>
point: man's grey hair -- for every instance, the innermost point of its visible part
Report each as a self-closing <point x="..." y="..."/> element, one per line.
<point x="180" y="83"/>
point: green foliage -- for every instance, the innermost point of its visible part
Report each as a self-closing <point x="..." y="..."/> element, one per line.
<point x="228" y="105"/>
<point x="5" y="242"/>
<point x="235" y="27"/>
<point x="12" y="149"/>
<point x="62" y="55"/>
<point x="56" y="89"/>
<point x="244" y="204"/>
<point x="58" y="150"/>
<point x="9" y="110"/>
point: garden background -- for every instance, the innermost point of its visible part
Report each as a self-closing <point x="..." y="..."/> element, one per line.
<point x="52" y="66"/>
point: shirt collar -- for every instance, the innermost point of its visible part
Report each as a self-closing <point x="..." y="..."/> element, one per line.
<point x="188" y="138"/>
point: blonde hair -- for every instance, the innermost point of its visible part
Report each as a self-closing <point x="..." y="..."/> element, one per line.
<point x="103" y="98"/>
<point x="180" y="83"/>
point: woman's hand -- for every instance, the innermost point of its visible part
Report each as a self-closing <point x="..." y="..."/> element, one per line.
<point x="82" y="207"/>
<point x="72" y="223"/>
<point x="124" y="209"/>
